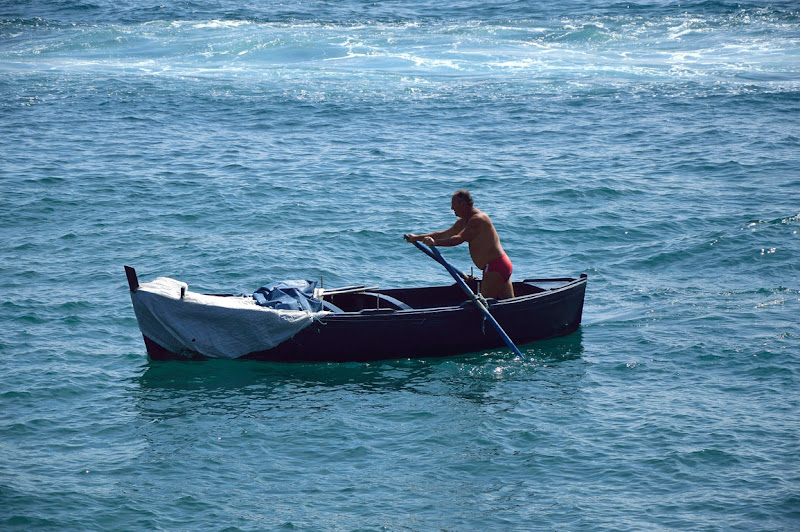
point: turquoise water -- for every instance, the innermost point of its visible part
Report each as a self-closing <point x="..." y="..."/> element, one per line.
<point x="651" y="145"/>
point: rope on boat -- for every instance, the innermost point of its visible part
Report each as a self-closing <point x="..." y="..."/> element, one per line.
<point x="483" y="316"/>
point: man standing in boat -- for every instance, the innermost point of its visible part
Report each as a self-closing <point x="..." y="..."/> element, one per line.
<point x="475" y="227"/>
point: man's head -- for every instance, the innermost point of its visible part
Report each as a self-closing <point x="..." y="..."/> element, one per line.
<point x="461" y="203"/>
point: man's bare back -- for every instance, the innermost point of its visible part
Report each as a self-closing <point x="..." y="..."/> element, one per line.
<point x="476" y="228"/>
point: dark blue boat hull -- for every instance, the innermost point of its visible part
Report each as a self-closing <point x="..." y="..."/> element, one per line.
<point x="379" y="334"/>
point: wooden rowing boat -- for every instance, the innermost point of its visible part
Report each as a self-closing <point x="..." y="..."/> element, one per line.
<point x="366" y="323"/>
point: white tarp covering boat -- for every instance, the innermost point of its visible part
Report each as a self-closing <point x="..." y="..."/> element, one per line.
<point x="214" y="326"/>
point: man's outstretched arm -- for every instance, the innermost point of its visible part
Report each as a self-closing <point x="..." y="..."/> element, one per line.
<point x="439" y="235"/>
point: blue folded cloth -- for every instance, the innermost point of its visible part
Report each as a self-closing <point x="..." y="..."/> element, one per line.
<point x="289" y="295"/>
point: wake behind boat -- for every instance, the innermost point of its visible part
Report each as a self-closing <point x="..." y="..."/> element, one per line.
<point x="353" y="324"/>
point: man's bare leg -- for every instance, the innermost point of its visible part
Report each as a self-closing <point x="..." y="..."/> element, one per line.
<point x="493" y="285"/>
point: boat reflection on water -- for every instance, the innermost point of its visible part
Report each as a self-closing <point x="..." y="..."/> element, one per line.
<point x="556" y="350"/>
<point x="212" y="383"/>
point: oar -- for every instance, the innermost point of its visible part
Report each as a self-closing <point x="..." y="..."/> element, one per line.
<point x="435" y="255"/>
<point x="431" y="255"/>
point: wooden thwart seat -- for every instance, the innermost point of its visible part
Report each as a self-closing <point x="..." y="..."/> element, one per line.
<point x="389" y="301"/>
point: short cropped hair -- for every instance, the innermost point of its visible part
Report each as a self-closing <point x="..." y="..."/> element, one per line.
<point x="463" y="196"/>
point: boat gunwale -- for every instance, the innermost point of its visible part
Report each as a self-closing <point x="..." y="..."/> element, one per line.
<point x="572" y="282"/>
<point x="380" y="313"/>
<point x="465" y="305"/>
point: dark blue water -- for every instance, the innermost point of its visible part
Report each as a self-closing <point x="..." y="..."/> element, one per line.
<point x="651" y="145"/>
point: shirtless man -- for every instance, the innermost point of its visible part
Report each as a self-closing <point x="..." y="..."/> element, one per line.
<point x="475" y="227"/>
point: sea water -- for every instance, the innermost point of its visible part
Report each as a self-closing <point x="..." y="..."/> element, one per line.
<point x="653" y="145"/>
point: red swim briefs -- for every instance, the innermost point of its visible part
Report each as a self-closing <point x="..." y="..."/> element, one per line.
<point x="501" y="265"/>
